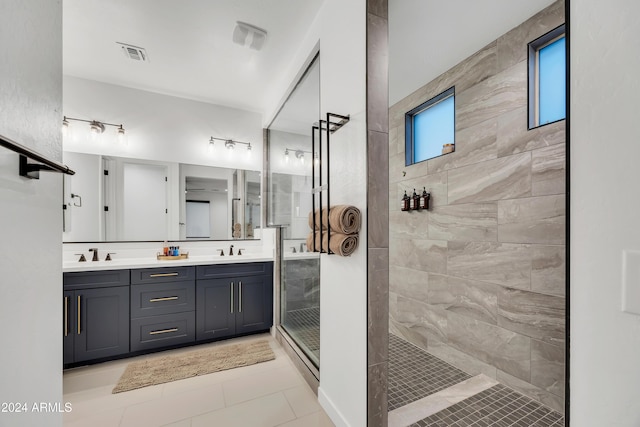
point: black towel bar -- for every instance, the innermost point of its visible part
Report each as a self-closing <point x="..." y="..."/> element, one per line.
<point x="29" y="169"/>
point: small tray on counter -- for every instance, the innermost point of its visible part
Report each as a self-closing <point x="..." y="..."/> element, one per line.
<point x="162" y="257"/>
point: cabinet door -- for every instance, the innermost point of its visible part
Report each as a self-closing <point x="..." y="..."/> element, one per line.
<point x="215" y="308"/>
<point x="103" y="323"/>
<point x="69" y="321"/>
<point x="255" y="304"/>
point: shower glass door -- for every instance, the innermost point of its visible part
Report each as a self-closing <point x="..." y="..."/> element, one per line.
<point x="289" y="205"/>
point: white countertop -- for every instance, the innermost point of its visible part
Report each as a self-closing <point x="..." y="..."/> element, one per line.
<point x="126" y="263"/>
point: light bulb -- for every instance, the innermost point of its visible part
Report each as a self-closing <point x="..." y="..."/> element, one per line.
<point x="95" y="129"/>
<point x="286" y="156"/>
<point x="122" y="137"/>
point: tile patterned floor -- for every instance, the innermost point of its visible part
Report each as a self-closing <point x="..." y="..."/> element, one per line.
<point x="498" y="406"/>
<point x="265" y="394"/>
<point x="414" y="373"/>
<point x="304" y="326"/>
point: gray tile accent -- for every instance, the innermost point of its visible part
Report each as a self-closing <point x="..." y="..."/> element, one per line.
<point x="428" y="322"/>
<point x="460" y="359"/>
<point x="467" y="222"/>
<point x="503" y="263"/>
<point x="304" y="326"/>
<point x="377" y="73"/>
<point x="504" y="178"/>
<point x="473" y="145"/>
<point x="426" y="255"/>
<point x="548" y="269"/>
<point x="466" y="74"/>
<point x="507" y="350"/>
<point x="547" y="367"/>
<point x="492" y="97"/>
<point x="378" y="309"/>
<point x="377" y="385"/>
<point x="514" y="137"/>
<point x="378" y="190"/>
<point x="512" y="47"/>
<point x="476" y="300"/>
<point x="414" y="373"/>
<point x="409" y="282"/>
<point x="535" y="315"/>
<point x="548" y="170"/>
<point x="378" y="7"/>
<point x="409" y="225"/>
<point x="532" y="220"/>
<point x="497" y="406"/>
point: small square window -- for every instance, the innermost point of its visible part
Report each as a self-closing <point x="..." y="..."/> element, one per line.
<point x="547" y="78"/>
<point x="430" y="128"/>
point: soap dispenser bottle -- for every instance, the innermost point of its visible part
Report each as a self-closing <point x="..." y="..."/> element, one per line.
<point x="415" y="201"/>
<point x="404" y="203"/>
<point x="424" y="199"/>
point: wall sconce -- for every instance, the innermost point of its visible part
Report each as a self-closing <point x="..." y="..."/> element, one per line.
<point x="229" y="144"/>
<point x="96" y="128"/>
<point x="298" y="153"/>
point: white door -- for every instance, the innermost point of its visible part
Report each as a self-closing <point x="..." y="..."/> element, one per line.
<point x="145" y="202"/>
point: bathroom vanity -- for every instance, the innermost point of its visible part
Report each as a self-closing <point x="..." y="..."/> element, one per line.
<point x="122" y="308"/>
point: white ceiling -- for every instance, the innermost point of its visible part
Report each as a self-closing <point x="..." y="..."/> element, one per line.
<point x="189" y="44"/>
<point x="427" y="37"/>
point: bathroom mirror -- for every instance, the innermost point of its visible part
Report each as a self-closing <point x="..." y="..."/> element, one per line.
<point x="124" y="199"/>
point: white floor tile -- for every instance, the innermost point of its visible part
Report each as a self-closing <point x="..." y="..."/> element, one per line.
<point x="266" y="411"/>
<point x="174" y="408"/>
<point x="260" y="384"/>
<point x="264" y="394"/>
<point x="317" y="419"/>
<point x="302" y="400"/>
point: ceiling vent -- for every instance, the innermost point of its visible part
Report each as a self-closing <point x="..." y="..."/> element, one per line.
<point x="134" y="52"/>
<point x="249" y="35"/>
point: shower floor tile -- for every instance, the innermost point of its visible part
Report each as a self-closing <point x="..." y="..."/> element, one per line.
<point x="415" y="374"/>
<point x="304" y="327"/>
<point x="497" y="406"/>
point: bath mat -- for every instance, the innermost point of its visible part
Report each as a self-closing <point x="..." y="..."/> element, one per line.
<point x="199" y="362"/>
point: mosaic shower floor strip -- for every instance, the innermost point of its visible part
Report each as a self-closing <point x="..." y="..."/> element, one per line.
<point x="498" y="406"/>
<point x="415" y="374"/>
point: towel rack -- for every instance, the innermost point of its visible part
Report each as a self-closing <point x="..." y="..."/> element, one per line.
<point x="332" y="124"/>
<point x="29" y="169"/>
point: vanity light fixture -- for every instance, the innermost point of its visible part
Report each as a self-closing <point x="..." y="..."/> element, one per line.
<point x="96" y="128"/>
<point x="229" y="144"/>
<point x="298" y="153"/>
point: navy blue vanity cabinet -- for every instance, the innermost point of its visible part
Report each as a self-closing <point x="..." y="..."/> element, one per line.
<point x="163" y="302"/>
<point x="95" y="315"/>
<point x="233" y="299"/>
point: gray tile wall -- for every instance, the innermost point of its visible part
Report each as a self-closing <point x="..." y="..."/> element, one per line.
<point x="377" y="212"/>
<point x="479" y="279"/>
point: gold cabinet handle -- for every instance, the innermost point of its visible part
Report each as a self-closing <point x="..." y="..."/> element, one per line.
<point x="66" y="316"/>
<point x="163" y="299"/>
<point x="231" y="297"/>
<point x="163" y="275"/>
<point x="240" y="297"/>
<point x="163" y="331"/>
<point x="79" y="299"/>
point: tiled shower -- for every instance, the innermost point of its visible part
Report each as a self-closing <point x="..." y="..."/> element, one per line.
<point x="478" y="281"/>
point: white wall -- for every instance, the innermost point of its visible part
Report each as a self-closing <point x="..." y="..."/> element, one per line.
<point x="160" y="127"/>
<point x="31" y="214"/>
<point x="341" y="28"/>
<point x="604" y="135"/>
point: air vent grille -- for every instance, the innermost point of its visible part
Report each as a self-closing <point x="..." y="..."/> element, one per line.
<point x="135" y="53"/>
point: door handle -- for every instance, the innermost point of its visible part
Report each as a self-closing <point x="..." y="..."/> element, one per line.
<point x="240" y="297"/>
<point x="66" y="316"/>
<point x="163" y="331"/>
<point x="232" y="297"/>
<point x="163" y="274"/>
<point x="163" y="299"/>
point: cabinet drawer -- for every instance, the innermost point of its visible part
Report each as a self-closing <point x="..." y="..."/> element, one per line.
<point x="162" y="298"/>
<point x="162" y="331"/>
<point x="233" y="270"/>
<point x="95" y="279"/>
<point x="162" y="274"/>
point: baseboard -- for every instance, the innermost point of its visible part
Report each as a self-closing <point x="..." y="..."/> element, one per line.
<point x="331" y="409"/>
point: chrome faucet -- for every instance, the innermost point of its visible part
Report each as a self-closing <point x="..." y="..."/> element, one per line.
<point x="95" y="254"/>
<point x="231" y="250"/>
<point x="293" y="248"/>
<point x="302" y="245"/>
